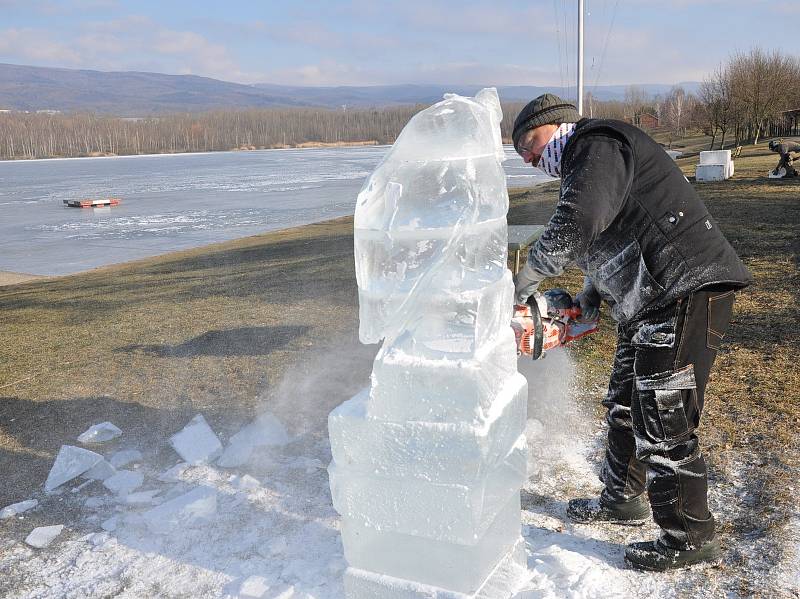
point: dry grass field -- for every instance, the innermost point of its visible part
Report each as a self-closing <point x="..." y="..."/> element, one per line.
<point x="272" y="320"/>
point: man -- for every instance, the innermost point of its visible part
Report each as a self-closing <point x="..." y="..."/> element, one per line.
<point x="784" y="149"/>
<point x="630" y="220"/>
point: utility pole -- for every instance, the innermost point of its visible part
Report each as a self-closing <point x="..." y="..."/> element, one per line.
<point x="580" y="57"/>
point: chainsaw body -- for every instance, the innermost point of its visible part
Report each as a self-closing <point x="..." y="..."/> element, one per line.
<point x="548" y="320"/>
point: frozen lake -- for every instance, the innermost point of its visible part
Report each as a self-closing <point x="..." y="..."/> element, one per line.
<point x="178" y="201"/>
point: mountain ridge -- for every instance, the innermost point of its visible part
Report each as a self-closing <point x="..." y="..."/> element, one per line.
<point x="140" y="93"/>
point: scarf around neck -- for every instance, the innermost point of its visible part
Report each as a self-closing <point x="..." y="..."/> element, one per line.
<point x="551" y="156"/>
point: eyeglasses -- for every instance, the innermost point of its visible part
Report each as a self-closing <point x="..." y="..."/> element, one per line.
<point x="522" y="150"/>
<point x="526" y="153"/>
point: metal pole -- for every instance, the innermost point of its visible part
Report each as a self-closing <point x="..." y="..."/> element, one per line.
<point x="580" y="57"/>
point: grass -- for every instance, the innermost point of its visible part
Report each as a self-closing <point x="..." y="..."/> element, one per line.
<point x="226" y="328"/>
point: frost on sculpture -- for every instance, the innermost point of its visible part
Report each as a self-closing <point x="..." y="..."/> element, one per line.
<point x="429" y="460"/>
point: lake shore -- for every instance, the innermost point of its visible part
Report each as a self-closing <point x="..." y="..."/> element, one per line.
<point x="300" y="146"/>
<point x="14" y="278"/>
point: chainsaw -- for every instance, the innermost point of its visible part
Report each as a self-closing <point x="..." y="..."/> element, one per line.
<point x="548" y="320"/>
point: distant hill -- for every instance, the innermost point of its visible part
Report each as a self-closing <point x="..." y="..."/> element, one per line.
<point x="133" y="93"/>
<point x="125" y="93"/>
<point x="387" y="95"/>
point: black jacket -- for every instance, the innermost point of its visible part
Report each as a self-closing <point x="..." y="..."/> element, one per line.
<point x="632" y="223"/>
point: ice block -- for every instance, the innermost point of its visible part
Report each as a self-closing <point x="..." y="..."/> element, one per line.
<point x="429" y="459"/>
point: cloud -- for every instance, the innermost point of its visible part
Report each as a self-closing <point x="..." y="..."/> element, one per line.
<point x="195" y="53"/>
<point x="36" y="45"/>
<point x="328" y="73"/>
<point x="133" y="42"/>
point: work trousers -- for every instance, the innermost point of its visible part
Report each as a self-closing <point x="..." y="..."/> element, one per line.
<point x="655" y="399"/>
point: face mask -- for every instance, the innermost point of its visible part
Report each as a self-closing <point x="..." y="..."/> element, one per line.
<point x="551" y="155"/>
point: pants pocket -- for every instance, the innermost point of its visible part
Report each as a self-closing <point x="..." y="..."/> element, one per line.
<point x="720" y="307"/>
<point x="664" y="398"/>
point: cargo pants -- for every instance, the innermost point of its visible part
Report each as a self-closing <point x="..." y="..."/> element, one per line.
<point x="655" y="399"/>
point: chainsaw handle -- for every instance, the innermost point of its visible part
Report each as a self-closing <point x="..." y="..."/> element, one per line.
<point x="538" y="328"/>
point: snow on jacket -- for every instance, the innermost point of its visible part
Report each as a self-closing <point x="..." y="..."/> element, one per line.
<point x="631" y="221"/>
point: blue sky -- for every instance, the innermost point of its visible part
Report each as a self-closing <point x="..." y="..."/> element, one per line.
<point x="363" y="42"/>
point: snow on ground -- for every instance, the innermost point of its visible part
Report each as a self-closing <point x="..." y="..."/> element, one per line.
<point x="267" y="528"/>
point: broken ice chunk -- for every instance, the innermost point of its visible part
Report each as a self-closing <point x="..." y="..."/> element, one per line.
<point x="44" y="535"/>
<point x="142" y="497"/>
<point x="100" y="471"/>
<point x="111" y="524"/>
<point x="70" y="462"/>
<point x="265" y="431"/>
<point x="95" y="502"/>
<point x="235" y="455"/>
<point x="254" y="586"/>
<point x="245" y="482"/>
<point x="125" y="457"/>
<point x="18" y="508"/>
<point x="310" y="465"/>
<point x="174" y="474"/>
<point x="100" y="433"/>
<point x="196" y="443"/>
<point x="124" y="481"/>
<point x="197" y="505"/>
<point x="276" y="546"/>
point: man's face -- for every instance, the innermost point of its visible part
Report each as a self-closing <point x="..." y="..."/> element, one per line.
<point x="532" y="143"/>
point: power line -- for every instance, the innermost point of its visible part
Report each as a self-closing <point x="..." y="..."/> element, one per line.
<point x="558" y="38"/>
<point x="605" y="45"/>
<point x="567" y="39"/>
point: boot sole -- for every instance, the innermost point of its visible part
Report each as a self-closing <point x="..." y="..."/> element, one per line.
<point x="616" y="521"/>
<point x="700" y="564"/>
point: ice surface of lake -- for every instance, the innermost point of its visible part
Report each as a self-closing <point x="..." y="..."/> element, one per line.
<point x="175" y="202"/>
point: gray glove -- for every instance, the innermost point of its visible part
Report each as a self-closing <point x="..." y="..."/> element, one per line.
<point x="526" y="281"/>
<point x="589" y="300"/>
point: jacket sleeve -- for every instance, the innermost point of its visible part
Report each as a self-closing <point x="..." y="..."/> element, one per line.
<point x="595" y="182"/>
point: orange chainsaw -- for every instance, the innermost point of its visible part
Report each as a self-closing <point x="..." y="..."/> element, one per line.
<point x="548" y="320"/>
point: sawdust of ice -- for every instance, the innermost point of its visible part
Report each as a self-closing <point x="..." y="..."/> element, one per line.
<point x="275" y="530"/>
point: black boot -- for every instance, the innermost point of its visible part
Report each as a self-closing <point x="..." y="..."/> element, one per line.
<point x="653" y="555"/>
<point x="633" y="512"/>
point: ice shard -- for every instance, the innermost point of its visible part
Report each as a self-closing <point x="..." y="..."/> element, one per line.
<point x="429" y="459"/>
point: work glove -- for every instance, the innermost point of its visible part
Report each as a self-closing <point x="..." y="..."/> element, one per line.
<point x="526" y="281"/>
<point x="589" y="301"/>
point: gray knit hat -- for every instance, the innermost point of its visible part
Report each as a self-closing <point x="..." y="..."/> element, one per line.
<point x="545" y="110"/>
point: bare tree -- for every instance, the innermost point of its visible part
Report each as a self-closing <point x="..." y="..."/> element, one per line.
<point x="636" y="101"/>
<point x="715" y="100"/>
<point x="762" y="84"/>
<point x="674" y="112"/>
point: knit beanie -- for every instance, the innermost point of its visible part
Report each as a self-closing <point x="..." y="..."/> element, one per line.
<point x="547" y="109"/>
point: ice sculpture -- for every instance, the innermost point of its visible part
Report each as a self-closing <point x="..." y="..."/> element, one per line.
<point x="429" y="460"/>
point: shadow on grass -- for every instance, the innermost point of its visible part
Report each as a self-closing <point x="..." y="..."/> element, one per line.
<point x="244" y="341"/>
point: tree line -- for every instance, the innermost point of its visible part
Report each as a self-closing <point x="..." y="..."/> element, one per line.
<point x="33" y="135"/>
<point x="741" y="101"/>
<point x="24" y="135"/>
<point x="746" y="94"/>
